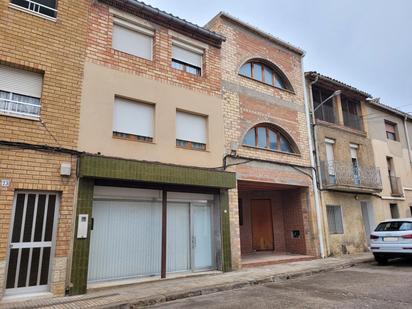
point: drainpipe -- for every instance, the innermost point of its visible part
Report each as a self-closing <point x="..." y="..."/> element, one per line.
<point x="408" y="142"/>
<point x="312" y="163"/>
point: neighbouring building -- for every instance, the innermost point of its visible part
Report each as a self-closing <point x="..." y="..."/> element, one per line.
<point x="349" y="178"/>
<point x="152" y="196"/>
<point x="266" y="142"/>
<point x="390" y="131"/>
<point x="42" y="52"/>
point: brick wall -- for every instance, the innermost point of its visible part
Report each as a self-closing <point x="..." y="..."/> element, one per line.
<point x="56" y="49"/>
<point x="100" y="51"/>
<point x="248" y="102"/>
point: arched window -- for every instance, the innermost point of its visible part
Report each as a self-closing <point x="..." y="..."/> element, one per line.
<point x="265" y="73"/>
<point x="267" y="137"/>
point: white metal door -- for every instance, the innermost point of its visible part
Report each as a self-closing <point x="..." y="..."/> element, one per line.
<point x="367" y="215"/>
<point x="125" y="240"/>
<point x="201" y="236"/>
<point x="31" y="242"/>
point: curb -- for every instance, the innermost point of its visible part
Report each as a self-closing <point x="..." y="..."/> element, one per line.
<point x="278" y="278"/>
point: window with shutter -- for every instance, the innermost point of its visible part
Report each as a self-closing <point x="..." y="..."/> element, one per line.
<point x="20" y="92"/>
<point x="133" y="120"/>
<point x="391" y="131"/>
<point x="335" y="221"/>
<point x="45" y="8"/>
<point x="187" y="58"/>
<point x="191" y="131"/>
<point x="132" y="39"/>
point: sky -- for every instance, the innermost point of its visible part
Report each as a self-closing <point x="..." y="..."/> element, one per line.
<point x="364" y="43"/>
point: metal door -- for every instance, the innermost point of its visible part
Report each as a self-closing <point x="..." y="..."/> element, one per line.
<point x="31" y="242"/>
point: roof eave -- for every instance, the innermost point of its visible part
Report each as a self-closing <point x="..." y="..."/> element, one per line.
<point x="168" y="20"/>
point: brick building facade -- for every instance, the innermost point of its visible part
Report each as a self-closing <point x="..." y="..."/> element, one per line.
<point x="268" y="174"/>
<point x="41" y="64"/>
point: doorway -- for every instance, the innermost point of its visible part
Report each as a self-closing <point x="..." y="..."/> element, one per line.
<point x="262" y="225"/>
<point x="368" y="221"/>
<point x="31" y="242"/>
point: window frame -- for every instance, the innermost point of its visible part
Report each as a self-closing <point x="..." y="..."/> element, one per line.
<point x="276" y="75"/>
<point x="334" y="230"/>
<point x="279" y="135"/>
<point x="137" y="28"/>
<point x="395" y="130"/>
<point x="185" y="65"/>
<point x="36" y="9"/>
<point x="192" y="145"/>
<point x="130" y="136"/>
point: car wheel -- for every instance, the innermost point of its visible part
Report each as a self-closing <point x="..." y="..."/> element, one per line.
<point x="381" y="260"/>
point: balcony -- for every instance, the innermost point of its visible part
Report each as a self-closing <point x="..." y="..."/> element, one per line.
<point x="342" y="176"/>
<point x="396" y="186"/>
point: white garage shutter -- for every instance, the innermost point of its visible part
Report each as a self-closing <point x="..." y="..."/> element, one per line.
<point x="133" y="117"/>
<point x="125" y="240"/>
<point x="191" y="127"/>
<point x="20" y="81"/>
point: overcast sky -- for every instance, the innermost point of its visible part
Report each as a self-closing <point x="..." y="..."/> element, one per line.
<point x="364" y="43"/>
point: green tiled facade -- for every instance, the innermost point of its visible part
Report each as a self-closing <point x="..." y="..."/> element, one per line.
<point x="96" y="167"/>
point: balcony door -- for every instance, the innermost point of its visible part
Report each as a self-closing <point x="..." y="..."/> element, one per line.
<point x="355" y="163"/>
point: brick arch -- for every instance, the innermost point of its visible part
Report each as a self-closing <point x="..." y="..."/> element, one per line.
<point x="277" y="128"/>
<point x="269" y="63"/>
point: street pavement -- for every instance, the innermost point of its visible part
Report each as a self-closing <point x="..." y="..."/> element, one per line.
<point x="363" y="286"/>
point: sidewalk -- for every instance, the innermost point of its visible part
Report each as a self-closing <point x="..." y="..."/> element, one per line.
<point x="148" y="293"/>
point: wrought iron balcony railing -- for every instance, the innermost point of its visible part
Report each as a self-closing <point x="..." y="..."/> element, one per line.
<point x="396" y="186"/>
<point x="344" y="174"/>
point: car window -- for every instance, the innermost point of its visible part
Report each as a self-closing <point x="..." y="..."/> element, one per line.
<point x="394" y="226"/>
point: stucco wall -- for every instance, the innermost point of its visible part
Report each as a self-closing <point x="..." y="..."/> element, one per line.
<point x="102" y="84"/>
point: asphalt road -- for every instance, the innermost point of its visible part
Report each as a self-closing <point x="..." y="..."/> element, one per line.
<point x="363" y="286"/>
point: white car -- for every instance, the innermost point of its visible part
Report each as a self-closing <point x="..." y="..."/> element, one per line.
<point x="392" y="239"/>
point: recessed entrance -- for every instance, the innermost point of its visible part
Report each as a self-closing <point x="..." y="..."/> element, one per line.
<point x="271" y="222"/>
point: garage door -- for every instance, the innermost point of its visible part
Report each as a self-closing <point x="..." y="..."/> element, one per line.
<point x="126" y="240"/>
<point x="127" y="234"/>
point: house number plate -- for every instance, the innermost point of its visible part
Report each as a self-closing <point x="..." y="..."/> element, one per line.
<point x="5" y="183"/>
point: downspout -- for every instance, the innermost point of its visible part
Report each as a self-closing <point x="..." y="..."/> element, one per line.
<point x="319" y="216"/>
<point x="408" y="142"/>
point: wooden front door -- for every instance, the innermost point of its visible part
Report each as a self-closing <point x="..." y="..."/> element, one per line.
<point x="262" y="227"/>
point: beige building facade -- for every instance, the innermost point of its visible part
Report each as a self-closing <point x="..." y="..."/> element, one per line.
<point x="390" y="131"/>
<point x="349" y="178"/>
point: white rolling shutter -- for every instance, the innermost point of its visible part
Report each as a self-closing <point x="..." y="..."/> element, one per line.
<point x="132" y="40"/>
<point x="133" y="117"/>
<point x="191" y="128"/>
<point x="20" y="81"/>
<point x="186" y="54"/>
<point x="330" y="156"/>
<point x="354" y="151"/>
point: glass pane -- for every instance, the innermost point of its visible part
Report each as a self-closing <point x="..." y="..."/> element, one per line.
<point x="18" y="217"/>
<point x="262" y="137"/>
<point x="284" y="145"/>
<point x="29" y="218"/>
<point x="250" y="138"/>
<point x="39" y="218"/>
<point x="177" y="65"/>
<point x="202" y="235"/>
<point x="268" y="76"/>
<point x="44" y="276"/>
<point x="272" y="140"/>
<point x="50" y="218"/>
<point x="24" y="263"/>
<point x="246" y="70"/>
<point x="279" y="82"/>
<point x="192" y="70"/>
<point x="11" y="273"/>
<point x="34" y="269"/>
<point x="257" y="71"/>
<point x="178" y="237"/>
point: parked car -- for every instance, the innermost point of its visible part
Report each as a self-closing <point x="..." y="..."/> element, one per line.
<point x="392" y="239"/>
